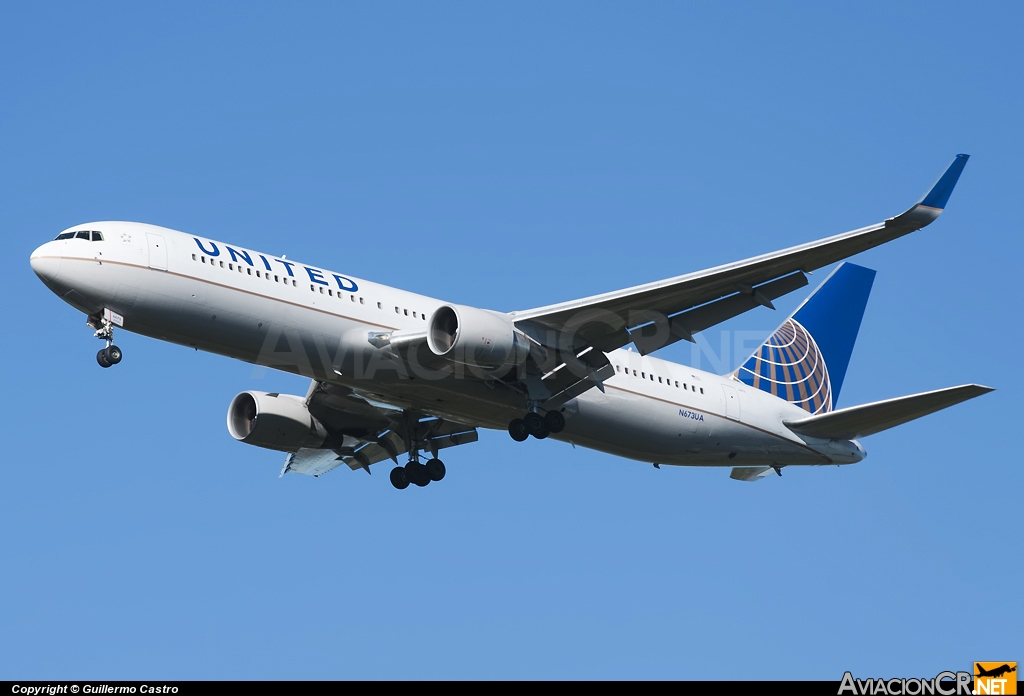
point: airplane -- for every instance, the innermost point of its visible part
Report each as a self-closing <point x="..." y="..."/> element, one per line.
<point x="995" y="672"/>
<point x="396" y="374"/>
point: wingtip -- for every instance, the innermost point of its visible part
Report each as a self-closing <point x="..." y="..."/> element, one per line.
<point x="973" y="391"/>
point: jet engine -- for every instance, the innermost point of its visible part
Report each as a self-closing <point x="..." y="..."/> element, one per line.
<point x="476" y="337"/>
<point x="275" y="421"/>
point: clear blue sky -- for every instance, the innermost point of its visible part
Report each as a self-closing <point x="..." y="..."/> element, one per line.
<point x="510" y="156"/>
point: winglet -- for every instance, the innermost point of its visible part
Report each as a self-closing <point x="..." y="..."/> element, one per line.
<point x="928" y="209"/>
<point x="939" y="194"/>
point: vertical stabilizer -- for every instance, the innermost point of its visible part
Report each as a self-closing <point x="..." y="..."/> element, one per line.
<point x="804" y="361"/>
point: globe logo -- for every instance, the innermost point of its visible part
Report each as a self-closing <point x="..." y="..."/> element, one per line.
<point x="790" y="365"/>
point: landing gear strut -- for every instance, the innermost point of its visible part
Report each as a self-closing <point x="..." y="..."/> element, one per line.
<point x="111" y="355"/>
<point x="418" y="439"/>
<point x="537" y="425"/>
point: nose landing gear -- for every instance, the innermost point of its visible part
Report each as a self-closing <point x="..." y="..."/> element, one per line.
<point x="104" y="325"/>
<point x="111" y="355"/>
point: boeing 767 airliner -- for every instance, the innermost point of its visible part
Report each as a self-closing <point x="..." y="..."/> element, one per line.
<point x="395" y="374"/>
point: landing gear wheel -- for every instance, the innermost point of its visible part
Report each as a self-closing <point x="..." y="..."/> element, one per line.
<point x="535" y="425"/>
<point x="435" y="469"/>
<point x="399" y="479"/>
<point x="417" y="474"/>
<point x="114" y="354"/>
<point x="517" y="429"/>
<point x="555" y="421"/>
<point x="102" y="358"/>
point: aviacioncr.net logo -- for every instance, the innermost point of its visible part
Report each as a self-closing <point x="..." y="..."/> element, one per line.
<point x="995" y="678"/>
<point x="943" y="684"/>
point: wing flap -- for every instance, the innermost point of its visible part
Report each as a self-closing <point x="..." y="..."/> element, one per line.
<point x="868" y="419"/>
<point x="750" y="473"/>
<point x="364" y="432"/>
<point x="664" y="331"/>
<point x="311" y="462"/>
<point x="450" y="436"/>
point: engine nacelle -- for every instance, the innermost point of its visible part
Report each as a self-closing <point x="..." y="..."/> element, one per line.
<point x="275" y="421"/>
<point x="477" y="337"/>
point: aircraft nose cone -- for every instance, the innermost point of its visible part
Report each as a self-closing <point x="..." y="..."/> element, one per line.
<point x="46" y="264"/>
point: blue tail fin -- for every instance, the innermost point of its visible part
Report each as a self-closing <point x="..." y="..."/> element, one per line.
<point x="805" y="360"/>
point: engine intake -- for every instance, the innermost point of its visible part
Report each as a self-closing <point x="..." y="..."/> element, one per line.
<point x="477" y="337"/>
<point x="274" y="421"/>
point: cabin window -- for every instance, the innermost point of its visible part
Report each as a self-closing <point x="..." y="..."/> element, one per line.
<point x="618" y="368"/>
<point x="222" y="264"/>
<point x="276" y="279"/>
<point x="397" y="310"/>
<point x="203" y="259"/>
<point x="643" y="376"/>
<point x="193" y="257"/>
<point x="659" y="380"/>
<point x="258" y="274"/>
<point x="321" y="291"/>
<point x="248" y="271"/>
<point x="634" y="373"/>
<point x="361" y="301"/>
<point x="330" y="293"/>
<point x="652" y="377"/>
<point x="414" y="314"/>
<point x="407" y="312"/>
<point x="231" y="266"/>
<point x="677" y="384"/>
<point x="702" y="390"/>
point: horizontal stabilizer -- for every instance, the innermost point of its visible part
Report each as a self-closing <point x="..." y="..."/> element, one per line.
<point x="868" y="419"/>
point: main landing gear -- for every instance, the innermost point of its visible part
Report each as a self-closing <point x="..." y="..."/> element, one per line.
<point x="111" y="355"/>
<point x="537" y="425"/>
<point x="419" y="438"/>
<point x="417" y="474"/>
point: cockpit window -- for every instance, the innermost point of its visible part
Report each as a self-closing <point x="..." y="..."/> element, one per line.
<point x="84" y="234"/>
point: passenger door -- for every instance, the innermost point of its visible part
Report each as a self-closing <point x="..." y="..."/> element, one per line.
<point x="732" y="402"/>
<point x="157" y="251"/>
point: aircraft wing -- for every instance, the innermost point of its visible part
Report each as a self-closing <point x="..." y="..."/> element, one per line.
<point x="364" y="432"/>
<point x="656" y="314"/>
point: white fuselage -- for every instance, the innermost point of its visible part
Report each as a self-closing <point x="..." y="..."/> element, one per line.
<point x="315" y="322"/>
